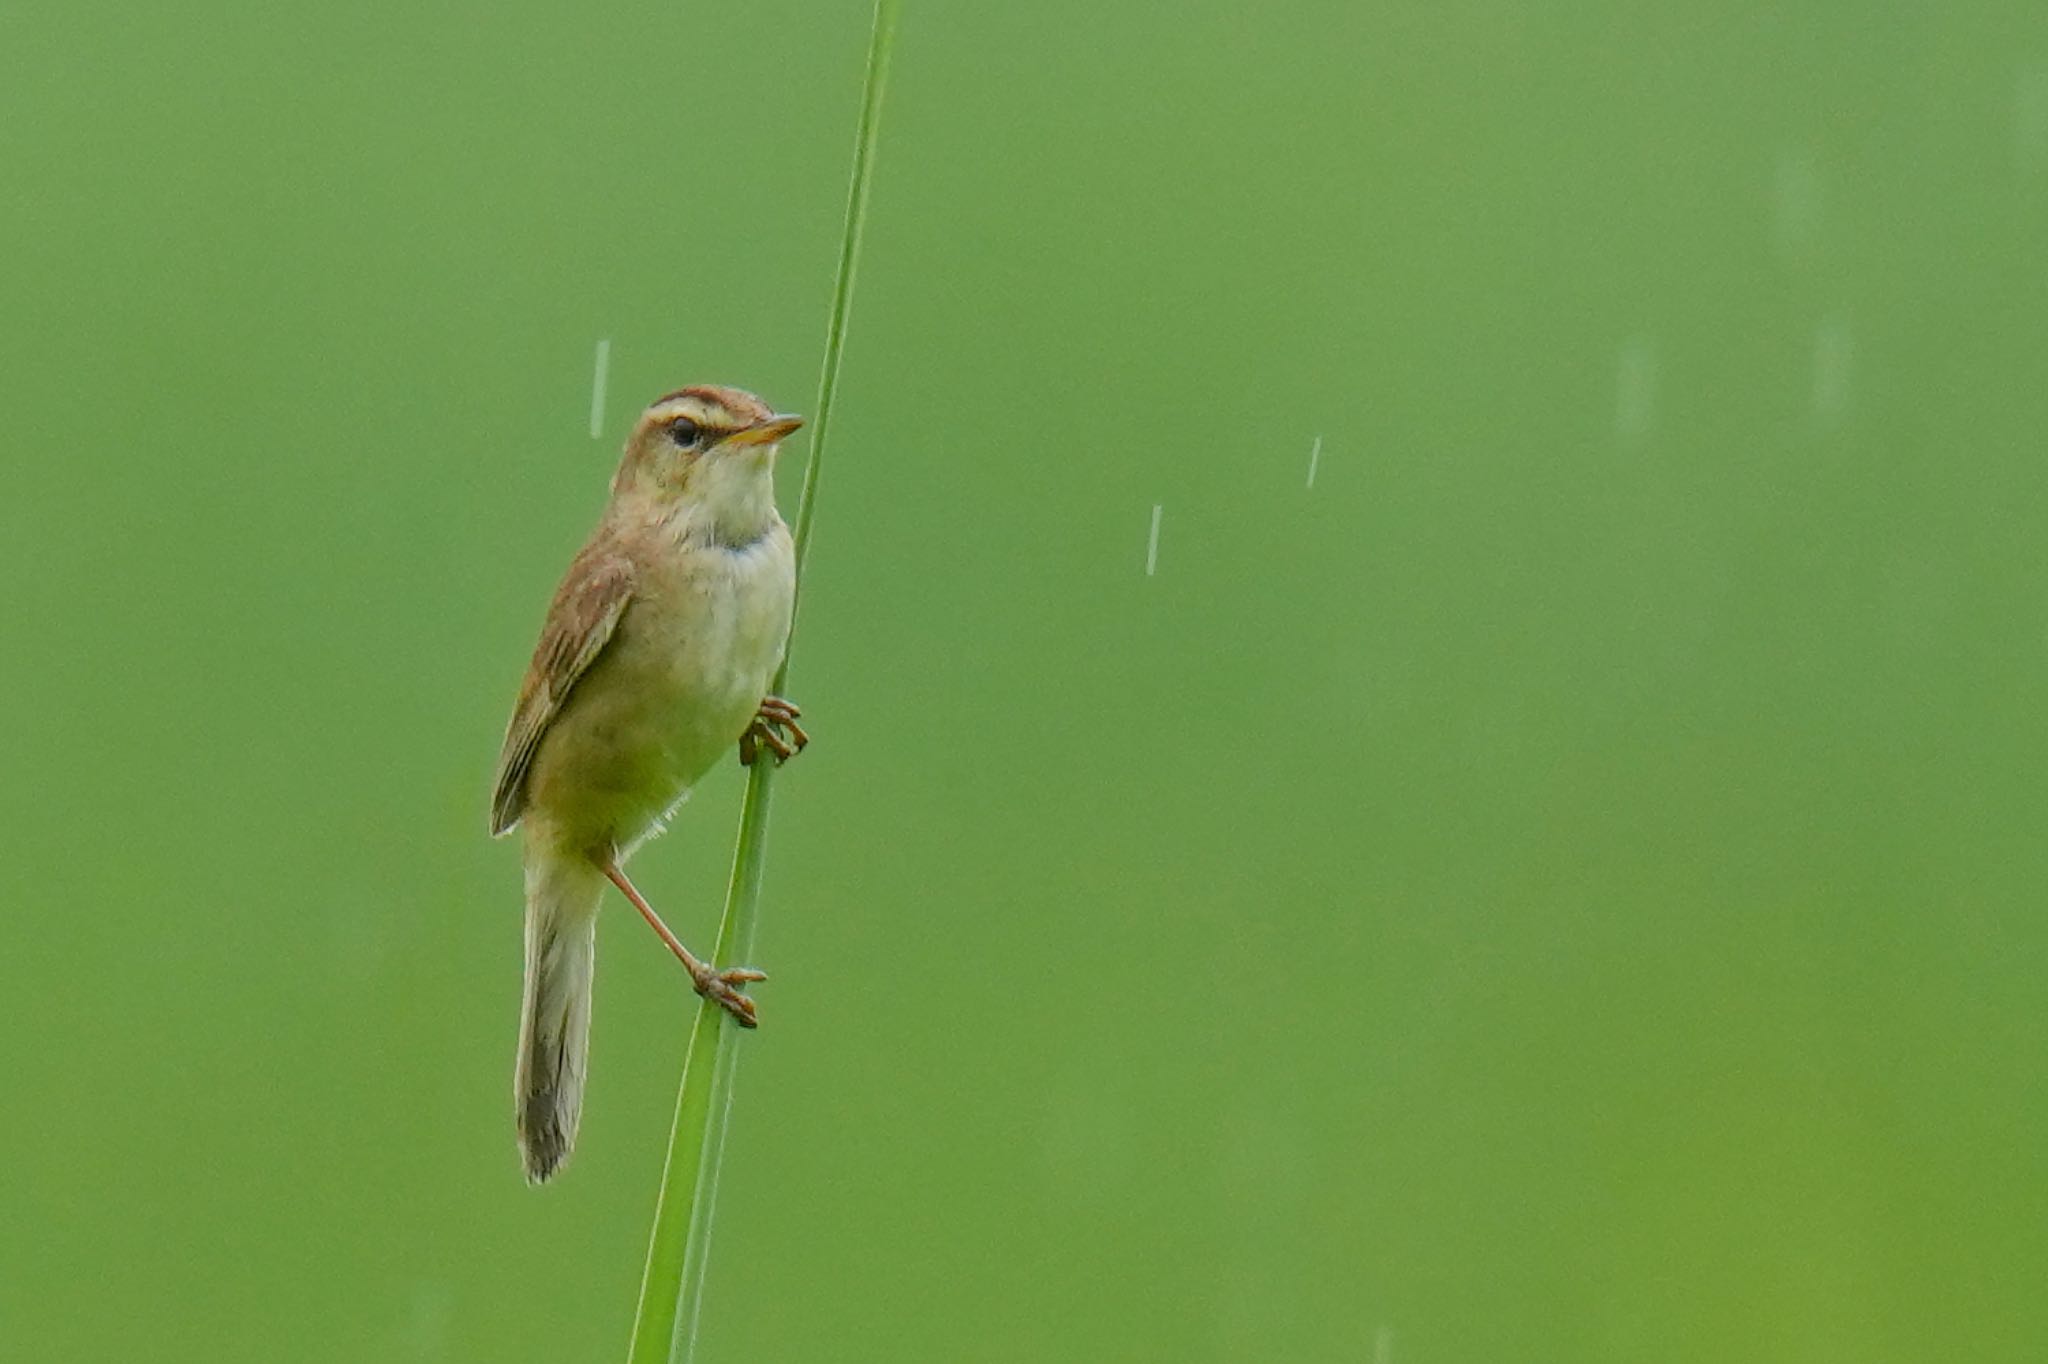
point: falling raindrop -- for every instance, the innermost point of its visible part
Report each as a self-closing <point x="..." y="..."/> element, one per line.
<point x="1635" y="390"/>
<point x="1833" y="355"/>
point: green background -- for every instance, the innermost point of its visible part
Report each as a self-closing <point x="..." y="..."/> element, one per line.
<point x="1564" y="887"/>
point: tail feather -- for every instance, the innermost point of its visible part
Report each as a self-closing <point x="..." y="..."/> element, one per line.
<point x="554" y="1018"/>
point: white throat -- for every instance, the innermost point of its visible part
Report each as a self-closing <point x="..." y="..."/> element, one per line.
<point x="732" y="498"/>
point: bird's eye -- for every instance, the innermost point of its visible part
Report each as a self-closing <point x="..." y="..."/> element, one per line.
<point x="683" y="431"/>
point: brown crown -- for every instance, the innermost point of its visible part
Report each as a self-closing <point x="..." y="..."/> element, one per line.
<point x="737" y="401"/>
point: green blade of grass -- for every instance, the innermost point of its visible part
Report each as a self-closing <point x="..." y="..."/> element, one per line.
<point x="672" y="1286"/>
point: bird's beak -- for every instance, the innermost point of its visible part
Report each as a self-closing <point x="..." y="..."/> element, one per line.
<point x="765" y="432"/>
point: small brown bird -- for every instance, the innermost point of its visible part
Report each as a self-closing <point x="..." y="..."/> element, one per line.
<point x="655" y="657"/>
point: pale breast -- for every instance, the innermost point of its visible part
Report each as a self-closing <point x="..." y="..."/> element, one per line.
<point x="672" y="693"/>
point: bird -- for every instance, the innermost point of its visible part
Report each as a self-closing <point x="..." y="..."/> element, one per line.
<point x="655" y="658"/>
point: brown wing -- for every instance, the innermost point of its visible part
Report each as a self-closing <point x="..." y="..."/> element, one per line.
<point x="585" y="611"/>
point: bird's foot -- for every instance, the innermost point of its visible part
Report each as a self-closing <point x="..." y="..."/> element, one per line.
<point x="775" y="716"/>
<point x="722" y="989"/>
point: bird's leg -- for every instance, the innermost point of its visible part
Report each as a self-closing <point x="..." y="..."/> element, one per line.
<point x="720" y="987"/>
<point x="774" y="716"/>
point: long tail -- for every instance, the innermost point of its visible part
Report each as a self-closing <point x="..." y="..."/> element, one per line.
<point x="562" y="895"/>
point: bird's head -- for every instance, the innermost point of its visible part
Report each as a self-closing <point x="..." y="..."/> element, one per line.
<point x="709" y="450"/>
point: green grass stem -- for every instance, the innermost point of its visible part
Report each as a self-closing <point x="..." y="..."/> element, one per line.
<point x="672" y="1286"/>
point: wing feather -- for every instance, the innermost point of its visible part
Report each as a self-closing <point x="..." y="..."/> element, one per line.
<point x="581" y="619"/>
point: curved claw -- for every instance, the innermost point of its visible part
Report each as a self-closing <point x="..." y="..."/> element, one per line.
<point x="720" y="987"/>
<point x="774" y="716"/>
